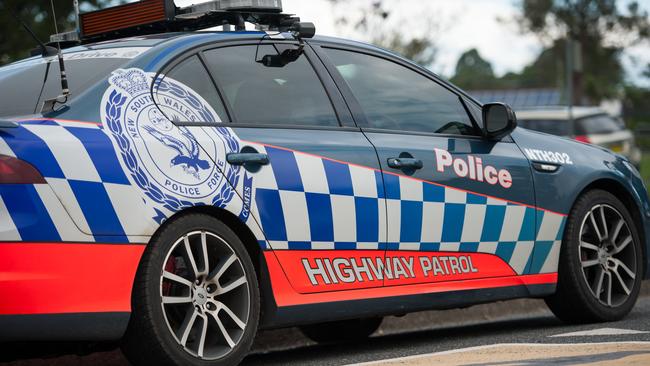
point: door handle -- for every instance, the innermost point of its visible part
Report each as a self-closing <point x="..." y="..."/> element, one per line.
<point x="405" y="163"/>
<point x="247" y="159"/>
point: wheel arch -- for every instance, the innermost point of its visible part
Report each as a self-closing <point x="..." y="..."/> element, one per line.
<point x="623" y="193"/>
<point x="234" y="223"/>
<point x="246" y="235"/>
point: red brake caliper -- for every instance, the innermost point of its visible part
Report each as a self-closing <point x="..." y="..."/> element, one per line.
<point x="170" y="267"/>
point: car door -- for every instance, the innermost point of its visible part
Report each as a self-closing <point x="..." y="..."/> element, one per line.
<point x="459" y="206"/>
<point x="312" y="181"/>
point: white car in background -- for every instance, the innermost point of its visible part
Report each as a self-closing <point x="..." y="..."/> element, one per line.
<point x="589" y="124"/>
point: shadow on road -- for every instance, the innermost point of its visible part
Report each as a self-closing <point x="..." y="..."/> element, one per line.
<point x="435" y="338"/>
<point x="513" y="321"/>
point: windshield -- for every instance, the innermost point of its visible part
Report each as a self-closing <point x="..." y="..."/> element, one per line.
<point x="600" y="124"/>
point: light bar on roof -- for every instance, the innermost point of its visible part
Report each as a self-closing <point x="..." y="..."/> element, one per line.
<point x="72" y="36"/>
<point x="160" y="16"/>
<point x="268" y="5"/>
<point x="130" y="15"/>
<point x="234" y="5"/>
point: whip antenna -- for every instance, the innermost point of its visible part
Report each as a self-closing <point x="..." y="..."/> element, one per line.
<point x="48" y="106"/>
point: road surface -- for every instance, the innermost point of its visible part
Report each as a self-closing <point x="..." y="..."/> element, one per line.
<point x="494" y="334"/>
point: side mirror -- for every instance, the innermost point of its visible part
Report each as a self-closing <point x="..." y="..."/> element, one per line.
<point x="499" y="120"/>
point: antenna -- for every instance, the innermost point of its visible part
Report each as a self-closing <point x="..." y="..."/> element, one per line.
<point x="46" y="51"/>
<point x="49" y="104"/>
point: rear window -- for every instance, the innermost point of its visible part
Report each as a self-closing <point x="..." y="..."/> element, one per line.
<point x="553" y="127"/>
<point x="24" y="86"/>
<point x="20" y="89"/>
<point x="193" y="74"/>
<point x="600" y="124"/>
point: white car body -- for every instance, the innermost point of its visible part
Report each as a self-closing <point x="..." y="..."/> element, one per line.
<point x="590" y="124"/>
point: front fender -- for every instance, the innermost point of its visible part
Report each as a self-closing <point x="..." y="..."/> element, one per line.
<point x="587" y="167"/>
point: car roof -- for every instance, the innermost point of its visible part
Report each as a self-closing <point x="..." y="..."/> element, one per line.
<point x="148" y="41"/>
<point x="170" y="43"/>
<point x="558" y="113"/>
<point x="157" y="39"/>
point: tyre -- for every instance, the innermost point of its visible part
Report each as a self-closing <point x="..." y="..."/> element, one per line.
<point x="600" y="269"/>
<point x="342" y="331"/>
<point x="195" y="298"/>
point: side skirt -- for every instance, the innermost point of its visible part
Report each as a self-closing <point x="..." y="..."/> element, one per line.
<point x="330" y="311"/>
<point x="64" y="327"/>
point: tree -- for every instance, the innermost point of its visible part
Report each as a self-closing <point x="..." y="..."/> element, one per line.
<point x="601" y="28"/>
<point x="15" y="42"/>
<point x="636" y="108"/>
<point x="474" y="73"/>
<point x="374" y="19"/>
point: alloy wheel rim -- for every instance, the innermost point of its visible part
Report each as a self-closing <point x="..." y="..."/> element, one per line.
<point x="204" y="295"/>
<point x="607" y="255"/>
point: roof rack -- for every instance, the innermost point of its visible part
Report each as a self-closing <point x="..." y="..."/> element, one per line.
<point x="158" y="16"/>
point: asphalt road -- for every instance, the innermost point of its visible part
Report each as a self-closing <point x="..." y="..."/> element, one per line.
<point x="519" y="321"/>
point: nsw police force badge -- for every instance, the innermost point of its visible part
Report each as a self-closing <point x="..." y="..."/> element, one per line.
<point x="175" y="166"/>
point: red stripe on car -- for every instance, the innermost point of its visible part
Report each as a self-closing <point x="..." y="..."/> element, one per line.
<point x="308" y="274"/>
<point x="49" y="278"/>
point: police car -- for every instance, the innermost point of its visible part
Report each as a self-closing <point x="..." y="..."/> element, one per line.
<point x="182" y="190"/>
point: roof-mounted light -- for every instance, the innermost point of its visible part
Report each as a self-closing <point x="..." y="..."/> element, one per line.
<point x="160" y="16"/>
<point x="237" y="5"/>
<point x="141" y="13"/>
<point x="66" y="37"/>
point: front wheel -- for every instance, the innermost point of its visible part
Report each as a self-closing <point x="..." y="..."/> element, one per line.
<point x="601" y="265"/>
<point x="342" y="331"/>
<point x="195" y="298"/>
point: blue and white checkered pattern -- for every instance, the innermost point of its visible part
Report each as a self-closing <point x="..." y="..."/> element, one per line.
<point x="303" y="202"/>
<point x="88" y="199"/>
<point x="307" y="202"/>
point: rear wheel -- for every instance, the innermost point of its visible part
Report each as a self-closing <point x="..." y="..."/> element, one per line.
<point x="600" y="262"/>
<point x="196" y="298"/>
<point x="342" y="331"/>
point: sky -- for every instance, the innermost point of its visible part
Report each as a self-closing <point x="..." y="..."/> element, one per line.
<point x="483" y="24"/>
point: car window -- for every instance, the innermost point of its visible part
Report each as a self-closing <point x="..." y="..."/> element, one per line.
<point x="30" y="78"/>
<point x="551" y="126"/>
<point x="193" y="74"/>
<point x="288" y="95"/>
<point x="396" y="98"/>
<point x="29" y="81"/>
<point x="598" y="125"/>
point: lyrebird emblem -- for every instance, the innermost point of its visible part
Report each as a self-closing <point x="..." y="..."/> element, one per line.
<point x="187" y="149"/>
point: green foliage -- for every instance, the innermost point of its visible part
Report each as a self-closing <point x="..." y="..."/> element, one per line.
<point x="636" y="106"/>
<point x="473" y="72"/>
<point x="15" y="42"/>
<point x="547" y="71"/>
<point x="420" y="50"/>
<point x="602" y="30"/>
<point x="589" y="21"/>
